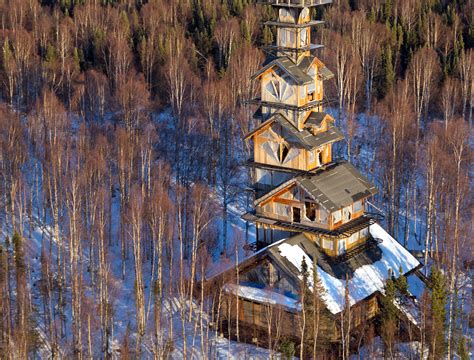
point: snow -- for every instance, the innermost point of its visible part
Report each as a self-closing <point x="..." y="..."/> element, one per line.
<point x="402" y="351"/>
<point x="367" y="279"/>
<point x="415" y="286"/>
<point x="262" y="296"/>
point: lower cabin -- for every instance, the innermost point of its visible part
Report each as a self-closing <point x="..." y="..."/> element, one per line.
<point x="265" y="302"/>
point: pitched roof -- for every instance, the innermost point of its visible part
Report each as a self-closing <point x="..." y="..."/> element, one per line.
<point x="303" y="138"/>
<point x="325" y="73"/>
<point x="298" y="72"/>
<point x="288" y="66"/>
<point x="316" y="118"/>
<point x="337" y="186"/>
<point x="367" y="271"/>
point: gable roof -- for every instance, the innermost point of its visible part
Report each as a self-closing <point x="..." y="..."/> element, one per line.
<point x="316" y="118"/>
<point x="298" y="72"/>
<point x="303" y="138"/>
<point x="334" y="187"/>
<point x="288" y="66"/>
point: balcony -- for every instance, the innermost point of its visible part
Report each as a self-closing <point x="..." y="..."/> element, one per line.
<point x="295" y="3"/>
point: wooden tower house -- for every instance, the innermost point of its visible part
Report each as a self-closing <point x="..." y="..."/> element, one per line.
<point x="299" y="184"/>
<point x="310" y="206"/>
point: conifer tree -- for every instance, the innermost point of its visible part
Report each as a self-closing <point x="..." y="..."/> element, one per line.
<point x="305" y="306"/>
<point x="389" y="315"/>
<point x="437" y="314"/>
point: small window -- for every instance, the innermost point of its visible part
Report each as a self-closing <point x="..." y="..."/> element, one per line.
<point x="347" y="213"/>
<point x="341" y="246"/>
<point x="353" y="238"/>
<point x="328" y="244"/>
<point x="358" y="206"/>
<point x="282" y="37"/>
<point x="267" y="208"/>
<point x="283" y="152"/>
<point x="304" y="37"/>
<point x="292" y="36"/>
<point x="323" y="216"/>
<point x="336" y="216"/>
<point x="310" y="210"/>
<point x="281" y="209"/>
<point x="296" y="214"/>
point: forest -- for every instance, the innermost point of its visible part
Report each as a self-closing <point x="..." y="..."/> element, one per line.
<point x="123" y="165"/>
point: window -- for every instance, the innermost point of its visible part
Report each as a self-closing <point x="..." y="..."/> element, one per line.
<point x="303" y="37"/>
<point x="284" y="150"/>
<point x="310" y="208"/>
<point x="267" y="208"/>
<point x="358" y="206"/>
<point x="282" y="209"/>
<point x="304" y="14"/>
<point x="311" y="157"/>
<point x="271" y="149"/>
<point x="319" y="158"/>
<point x="296" y="214"/>
<point x="336" y="216"/>
<point x="302" y="92"/>
<point x="353" y="238"/>
<point x="347" y="213"/>
<point x="341" y="246"/>
<point x="292" y="36"/>
<point x="328" y="244"/>
<point x="279" y="88"/>
<point x="323" y="216"/>
<point x="282" y="33"/>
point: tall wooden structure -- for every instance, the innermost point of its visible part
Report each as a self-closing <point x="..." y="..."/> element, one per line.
<point x="309" y="208"/>
<point x="299" y="184"/>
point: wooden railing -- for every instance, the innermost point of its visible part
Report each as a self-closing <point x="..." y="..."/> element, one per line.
<point x="295" y="3"/>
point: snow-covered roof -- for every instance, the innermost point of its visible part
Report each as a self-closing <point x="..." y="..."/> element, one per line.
<point x="367" y="272"/>
<point x="263" y="296"/>
<point x="367" y="279"/>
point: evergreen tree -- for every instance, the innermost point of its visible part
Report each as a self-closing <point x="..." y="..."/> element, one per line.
<point x="438" y="313"/>
<point x="401" y="285"/>
<point x="387" y="72"/>
<point x="389" y="315"/>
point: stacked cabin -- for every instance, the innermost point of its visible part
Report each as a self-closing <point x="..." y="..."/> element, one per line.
<point x="310" y="206"/>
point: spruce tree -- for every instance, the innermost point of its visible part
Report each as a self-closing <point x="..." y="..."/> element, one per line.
<point x="401" y="285"/>
<point x="389" y="314"/>
<point x="438" y="313"/>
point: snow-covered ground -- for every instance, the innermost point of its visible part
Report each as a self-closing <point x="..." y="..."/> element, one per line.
<point x="122" y="297"/>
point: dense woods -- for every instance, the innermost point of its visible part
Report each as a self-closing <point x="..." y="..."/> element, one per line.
<point x="122" y="161"/>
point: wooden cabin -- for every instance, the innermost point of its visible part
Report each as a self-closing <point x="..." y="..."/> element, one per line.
<point x="269" y="287"/>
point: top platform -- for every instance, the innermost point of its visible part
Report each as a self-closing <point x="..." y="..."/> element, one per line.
<point x="295" y="3"/>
